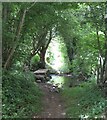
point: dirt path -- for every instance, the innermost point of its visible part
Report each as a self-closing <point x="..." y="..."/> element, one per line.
<point x="53" y="105"/>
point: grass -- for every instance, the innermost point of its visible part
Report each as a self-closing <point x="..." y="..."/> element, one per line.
<point x="21" y="97"/>
<point x="83" y="101"/>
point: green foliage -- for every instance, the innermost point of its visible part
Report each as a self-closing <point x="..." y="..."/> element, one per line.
<point x="35" y="59"/>
<point x="74" y="26"/>
<point x="34" y="63"/>
<point x="21" y="96"/>
<point x="86" y="57"/>
<point x="84" y="100"/>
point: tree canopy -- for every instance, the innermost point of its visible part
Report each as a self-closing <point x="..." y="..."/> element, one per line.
<point x="29" y="30"/>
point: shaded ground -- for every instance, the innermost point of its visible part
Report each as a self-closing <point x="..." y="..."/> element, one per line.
<point x="53" y="104"/>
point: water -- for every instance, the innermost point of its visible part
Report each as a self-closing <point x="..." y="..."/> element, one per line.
<point x="60" y="80"/>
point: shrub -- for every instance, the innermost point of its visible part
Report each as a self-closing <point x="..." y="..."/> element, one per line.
<point x="34" y="62"/>
<point x="84" y="100"/>
<point x="21" y="97"/>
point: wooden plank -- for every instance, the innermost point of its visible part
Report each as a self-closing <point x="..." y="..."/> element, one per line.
<point x="42" y="71"/>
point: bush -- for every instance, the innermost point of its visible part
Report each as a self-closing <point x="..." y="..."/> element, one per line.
<point x="84" y="100"/>
<point x="21" y="97"/>
<point x="34" y="62"/>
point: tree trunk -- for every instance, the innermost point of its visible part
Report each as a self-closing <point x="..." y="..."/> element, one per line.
<point x="105" y="54"/>
<point x="105" y="61"/>
<point x="5" y="12"/>
<point x="42" y="58"/>
<point x="105" y="79"/>
<point x="105" y="74"/>
<point x="100" y="74"/>
<point x="37" y="46"/>
<point x="71" y="51"/>
<point x="16" y="39"/>
<point x="43" y="51"/>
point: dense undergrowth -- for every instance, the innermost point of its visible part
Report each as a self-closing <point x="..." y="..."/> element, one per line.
<point x="21" y="97"/>
<point x="84" y="101"/>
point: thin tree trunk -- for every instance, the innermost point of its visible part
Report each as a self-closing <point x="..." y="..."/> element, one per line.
<point x="105" y="61"/>
<point x="105" y="55"/>
<point x="105" y="64"/>
<point x="50" y="38"/>
<point x="5" y="13"/>
<point x="100" y="66"/>
<point x="16" y="39"/>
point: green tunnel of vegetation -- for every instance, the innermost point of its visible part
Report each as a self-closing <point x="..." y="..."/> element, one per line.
<point x="65" y="37"/>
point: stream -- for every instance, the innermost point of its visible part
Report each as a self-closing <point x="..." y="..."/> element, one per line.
<point x="60" y="80"/>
